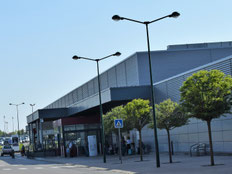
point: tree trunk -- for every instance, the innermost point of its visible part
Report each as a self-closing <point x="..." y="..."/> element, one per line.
<point x="210" y="143"/>
<point x="169" y="146"/>
<point x="140" y="145"/>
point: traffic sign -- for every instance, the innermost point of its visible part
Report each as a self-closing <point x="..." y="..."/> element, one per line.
<point x="118" y="123"/>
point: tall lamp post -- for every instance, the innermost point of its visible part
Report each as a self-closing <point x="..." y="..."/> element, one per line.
<point x="32" y="105"/>
<point x="4" y="125"/>
<point x="17" y="112"/>
<point x="13" y="124"/>
<point x="146" y="23"/>
<point x="99" y="93"/>
<point x="29" y="125"/>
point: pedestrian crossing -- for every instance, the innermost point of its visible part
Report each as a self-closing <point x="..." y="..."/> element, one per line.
<point x="23" y="165"/>
<point x="57" y="166"/>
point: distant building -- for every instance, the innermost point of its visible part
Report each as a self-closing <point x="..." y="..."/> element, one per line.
<point x="74" y="116"/>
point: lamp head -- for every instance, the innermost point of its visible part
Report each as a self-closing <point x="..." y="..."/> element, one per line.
<point x="117" y="18"/>
<point x="75" y="57"/>
<point x="23" y="103"/>
<point x="117" y="54"/>
<point x="10" y="103"/>
<point x="174" y="15"/>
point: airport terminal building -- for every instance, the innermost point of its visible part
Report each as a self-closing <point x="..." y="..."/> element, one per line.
<point x="75" y="116"/>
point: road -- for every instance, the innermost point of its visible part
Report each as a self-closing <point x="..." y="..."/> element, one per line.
<point x="22" y="165"/>
<point x="90" y="165"/>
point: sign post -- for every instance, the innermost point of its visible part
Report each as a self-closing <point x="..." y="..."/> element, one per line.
<point x="118" y="123"/>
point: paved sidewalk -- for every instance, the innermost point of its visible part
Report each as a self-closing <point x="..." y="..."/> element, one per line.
<point x="131" y="164"/>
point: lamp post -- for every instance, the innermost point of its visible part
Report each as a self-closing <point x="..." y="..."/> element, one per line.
<point x="4" y="125"/>
<point x="32" y="105"/>
<point x="17" y="112"/>
<point x="99" y="93"/>
<point x="13" y="124"/>
<point x="29" y="125"/>
<point x="146" y="23"/>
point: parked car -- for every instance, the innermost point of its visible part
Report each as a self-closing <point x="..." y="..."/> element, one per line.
<point x="7" y="150"/>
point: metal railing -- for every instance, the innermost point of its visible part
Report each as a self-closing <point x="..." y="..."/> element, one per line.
<point x="199" y="148"/>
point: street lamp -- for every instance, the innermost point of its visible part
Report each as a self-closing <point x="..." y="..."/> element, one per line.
<point x="146" y="23"/>
<point x="4" y="117"/>
<point x="32" y="105"/>
<point x="99" y="93"/>
<point x="13" y="124"/>
<point x="17" y="111"/>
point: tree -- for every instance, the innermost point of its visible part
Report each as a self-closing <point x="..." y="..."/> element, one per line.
<point x="109" y="117"/>
<point x="206" y="95"/>
<point x="138" y="115"/>
<point x="169" y="116"/>
<point x="21" y="132"/>
<point x="2" y="133"/>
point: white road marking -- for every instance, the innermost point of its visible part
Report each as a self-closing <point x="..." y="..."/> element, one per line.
<point x="69" y="166"/>
<point x="38" y="168"/>
<point x="22" y="168"/>
<point x="122" y="171"/>
<point x="81" y="166"/>
<point x="7" y="169"/>
<point x="98" y="168"/>
<point x="55" y="167"/>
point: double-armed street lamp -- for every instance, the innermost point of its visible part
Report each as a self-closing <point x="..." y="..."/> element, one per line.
<point x="32" y="105"/>
<point x="17" y="112"/>
<point x="99" y="93"/>
<point x="146" y="23"/>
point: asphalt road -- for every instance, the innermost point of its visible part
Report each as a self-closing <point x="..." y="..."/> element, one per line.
<point x="87" y="165"/>
<point x="22" y="165"/>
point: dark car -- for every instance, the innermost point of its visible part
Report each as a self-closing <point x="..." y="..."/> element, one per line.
<point x="7" y="150"/>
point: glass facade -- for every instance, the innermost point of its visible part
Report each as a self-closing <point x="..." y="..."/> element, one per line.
<point x="77" y="135"/>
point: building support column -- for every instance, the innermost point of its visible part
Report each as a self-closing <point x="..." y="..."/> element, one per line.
<point x="30" y="133"/>
<point x="41" y="132"/>
<point x="37" y="132"/>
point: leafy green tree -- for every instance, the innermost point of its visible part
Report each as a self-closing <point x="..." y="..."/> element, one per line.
<point x="169" y="116"/>
<point x="109" y="117"/>
<point x="2" y="133"/>
<point x="21" y="132"/>
<point x="138" y="115"/>
<point x="206" y="95"/>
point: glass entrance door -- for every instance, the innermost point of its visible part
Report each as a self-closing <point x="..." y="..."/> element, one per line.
<point x="80" y="140"/>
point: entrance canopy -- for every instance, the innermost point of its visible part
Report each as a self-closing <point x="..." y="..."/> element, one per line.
<point x="47" y="114"/>
<point x="111" y="97"/>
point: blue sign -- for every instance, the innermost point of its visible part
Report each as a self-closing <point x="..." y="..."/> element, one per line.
<point x="118" y="123"/>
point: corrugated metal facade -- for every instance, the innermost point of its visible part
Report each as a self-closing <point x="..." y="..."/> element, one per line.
<point x="196" y="131"/>
<point x="122" y="75"/>
<point x="134" y="70"/>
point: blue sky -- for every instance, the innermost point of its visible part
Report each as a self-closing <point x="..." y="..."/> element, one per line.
<point x="38" y="39"/>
